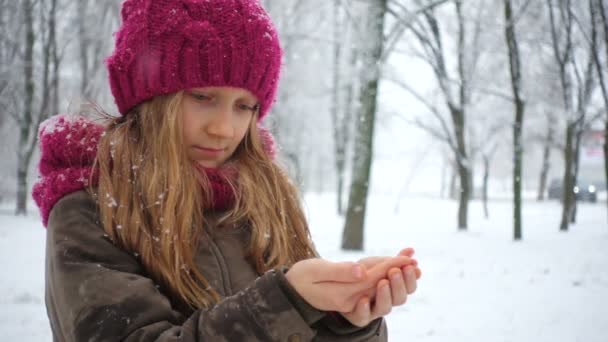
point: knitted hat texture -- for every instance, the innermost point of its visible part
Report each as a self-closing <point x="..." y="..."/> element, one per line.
<point x="164" y="46"/>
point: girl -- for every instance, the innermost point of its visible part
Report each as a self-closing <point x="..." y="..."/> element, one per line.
<point x="173" y="221"/>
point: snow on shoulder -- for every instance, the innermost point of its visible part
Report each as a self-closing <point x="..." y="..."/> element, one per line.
<point x="68" y="146"/>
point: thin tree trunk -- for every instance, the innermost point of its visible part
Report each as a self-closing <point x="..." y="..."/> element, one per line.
<point x="455" y="91"/>
<point x="567" y="193"/>
<point x="576" y="160"/>
<point x="444" y="170"/>
<point x="458" y="118"/>
<point x="463" y="168"/>
<point x="352" y="238"/>
<point x="348" y="125"/>
<point x="29" y="122"/>
<point x="515" y="72"/>
<point x="584" y="98"/>
<point x="453" y="176"/>
<point x="546" y="163"/>
<point x="563" y="58"/>
<point x="25" y="120"/>
<point x="54" y="58"/>
<point x="339" y="148"/>
<point x="486" y="176"/>
<point x="601" y="72"/>
<point x="606" y="155"/>
<point x="83" y="46"/>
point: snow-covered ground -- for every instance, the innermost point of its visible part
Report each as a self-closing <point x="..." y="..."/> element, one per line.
<point x="478" y="285"/>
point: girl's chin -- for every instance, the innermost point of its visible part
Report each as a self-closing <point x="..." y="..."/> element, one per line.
<point x="208" y="164"/>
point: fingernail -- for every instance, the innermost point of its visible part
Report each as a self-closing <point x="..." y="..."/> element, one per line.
<point x="396" y="275"/>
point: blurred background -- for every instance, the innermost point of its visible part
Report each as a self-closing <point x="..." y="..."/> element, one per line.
<point x="402" y="122"/>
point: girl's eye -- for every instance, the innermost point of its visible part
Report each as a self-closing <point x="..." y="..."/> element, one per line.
<point x="245" y="107"/>
<point x="201" y="97"/>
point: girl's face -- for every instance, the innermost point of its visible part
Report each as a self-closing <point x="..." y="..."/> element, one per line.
<point x="215" y="120"/>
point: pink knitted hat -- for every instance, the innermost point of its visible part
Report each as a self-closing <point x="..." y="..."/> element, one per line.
<point x="164" y="46"/>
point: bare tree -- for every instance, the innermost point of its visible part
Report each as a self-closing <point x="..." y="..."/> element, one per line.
<point x="576" y="90"/>
<point x="341" y="111"/>
<point x="583" y="100"/>
<point x="25" y="121"/>
<point x="547" y="142"/>
<point x="455" y="89"/>
<point x="598" y="6"/>
<point x="371" y="52"/>
<point x="516" y="85"/>
<point x="11" y="43"/>
<point x="28" y="120"/>
<point x="91" y="45"/>
<point x="303" y="26"/>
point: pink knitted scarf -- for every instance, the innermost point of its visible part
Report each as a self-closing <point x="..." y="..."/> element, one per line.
<point x="68" y="145"/>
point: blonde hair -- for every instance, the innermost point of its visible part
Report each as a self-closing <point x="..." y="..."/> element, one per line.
<point x="148" y="206"/>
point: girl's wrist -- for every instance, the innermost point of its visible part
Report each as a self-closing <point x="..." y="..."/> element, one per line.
<point x="309" y="313"/>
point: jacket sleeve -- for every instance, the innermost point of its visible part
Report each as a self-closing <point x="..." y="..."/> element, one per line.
<point x="336" y="328"/>
<point x="96" y="291"/>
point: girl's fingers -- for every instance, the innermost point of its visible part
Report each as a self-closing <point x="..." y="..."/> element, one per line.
<point x="399" y="291"/>
<point x="409" y="252"/>
<point x="383" y="303"/>
<point x="417" y="271"/>
<point x="341" y="272"/>
<point x="409" y="275"/>
<point x="361" y="315"/>
<point x="370" y="262"/>
<point x="379" y="272"/>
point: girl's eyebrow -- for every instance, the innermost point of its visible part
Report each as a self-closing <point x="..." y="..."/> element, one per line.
<point x="250" y="100"/>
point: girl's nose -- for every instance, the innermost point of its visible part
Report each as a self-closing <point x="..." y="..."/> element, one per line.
<point x="221" y="124"/>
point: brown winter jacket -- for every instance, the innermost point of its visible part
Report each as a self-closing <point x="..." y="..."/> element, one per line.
<point x="96" y="291"/>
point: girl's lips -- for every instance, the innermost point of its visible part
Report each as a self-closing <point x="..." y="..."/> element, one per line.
<point x="208" y="152"/>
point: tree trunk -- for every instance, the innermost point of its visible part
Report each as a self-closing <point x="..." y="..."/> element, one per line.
<point x="336" y="112"/>
<point x="54" y="58"/>
<point x="584" y="98"/>
<point x="453" y="177"/>
<point x="576" y="160"/>
<point x="83" y="46"/>
<point x="463" y="168"/>
<point x="352" y="238"/>
<point x="486" y="176"/>
<point x="564" y="56"/>
<point x="348" y="126"/>
<point x="29" y="122"/>
<point x="601" y="71"/>
<point x="517" y="170"/>
<point x="567" y="193"/>
<point x="444" y="170"/>
<point x="606" y="155"/>
<point x="465" y="165"/>
<point x="26" y="119"/>
<point x="546" y="163"/>
<point x="515" y="73"/>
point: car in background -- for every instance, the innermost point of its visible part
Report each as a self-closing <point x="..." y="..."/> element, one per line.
<point x="584" y="191"/>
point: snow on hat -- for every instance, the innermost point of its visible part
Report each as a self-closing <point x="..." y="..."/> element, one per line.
<point x="166" y="46"/>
